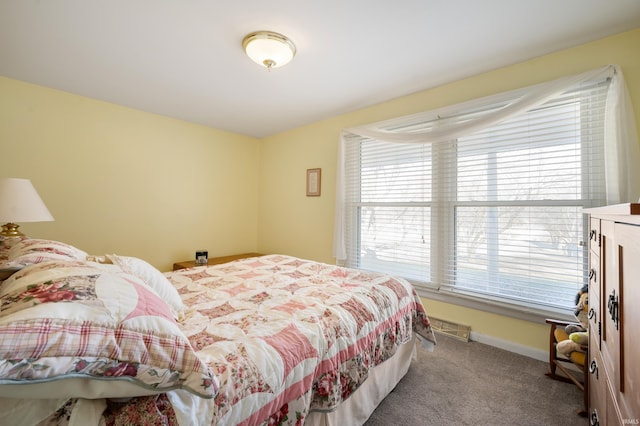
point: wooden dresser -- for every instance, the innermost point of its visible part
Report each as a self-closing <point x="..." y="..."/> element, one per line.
<point x="614" y="315"/>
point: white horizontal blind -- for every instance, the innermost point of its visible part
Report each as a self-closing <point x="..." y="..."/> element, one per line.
<point x="389" y="212"/>
<point x="496" y="214"/>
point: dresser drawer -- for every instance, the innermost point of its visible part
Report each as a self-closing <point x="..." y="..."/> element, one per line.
<point x="610" y="303"/>
<point x="598" y="388"/>
<point x="594" y="235"/>
<point x="594" y="274"/>
<point x="595" y="322"/>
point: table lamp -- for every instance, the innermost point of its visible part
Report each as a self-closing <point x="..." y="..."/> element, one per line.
<point x="20" y="202"/>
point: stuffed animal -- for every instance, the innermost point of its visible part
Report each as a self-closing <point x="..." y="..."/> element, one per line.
<point x="578" y="334"/>
<point x="577" y="341"/>
<point x="582" y="307"/>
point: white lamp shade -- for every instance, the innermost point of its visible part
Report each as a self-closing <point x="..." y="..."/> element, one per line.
<point x="20" y="202"/>
<point x="269" y="49"/>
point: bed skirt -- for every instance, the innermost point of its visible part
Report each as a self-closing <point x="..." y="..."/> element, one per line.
<point x="362" y="403"/>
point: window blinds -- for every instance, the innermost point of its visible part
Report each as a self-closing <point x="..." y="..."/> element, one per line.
<point x="496" y="213"/>
<point x="519" y="194"/>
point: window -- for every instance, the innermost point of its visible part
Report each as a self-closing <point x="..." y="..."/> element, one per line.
<point x="494" y="214"/>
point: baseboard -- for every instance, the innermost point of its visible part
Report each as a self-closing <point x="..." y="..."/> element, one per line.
<point x="534" y="353"/>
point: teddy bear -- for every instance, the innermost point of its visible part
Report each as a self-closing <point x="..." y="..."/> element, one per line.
<point x="578" y="334"/>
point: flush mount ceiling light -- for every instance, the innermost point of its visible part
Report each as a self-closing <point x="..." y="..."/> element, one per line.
<point x="269" y="49"/>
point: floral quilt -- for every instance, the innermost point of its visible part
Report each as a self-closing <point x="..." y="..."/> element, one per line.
<point x="280" y="337"/>
<point x="276" y="329"/>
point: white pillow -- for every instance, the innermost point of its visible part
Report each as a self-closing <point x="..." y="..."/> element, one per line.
<point x="153" y="278"/>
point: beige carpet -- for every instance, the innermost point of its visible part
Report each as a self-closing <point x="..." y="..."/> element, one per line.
<point x="474" y="384"/>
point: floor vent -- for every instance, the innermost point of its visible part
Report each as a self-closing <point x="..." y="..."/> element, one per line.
<point x="458" y="331"/>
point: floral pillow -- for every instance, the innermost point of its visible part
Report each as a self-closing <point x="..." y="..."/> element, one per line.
<point x="79" y="330"/>
<point x="33" y="250"/>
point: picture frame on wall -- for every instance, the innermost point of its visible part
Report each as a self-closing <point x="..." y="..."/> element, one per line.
<point x="314" y="180"/>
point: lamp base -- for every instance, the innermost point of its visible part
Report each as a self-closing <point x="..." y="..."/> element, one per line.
<point x="10" y="230"/>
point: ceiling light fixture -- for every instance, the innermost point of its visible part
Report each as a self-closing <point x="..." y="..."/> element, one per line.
<point x="269" y="49"/>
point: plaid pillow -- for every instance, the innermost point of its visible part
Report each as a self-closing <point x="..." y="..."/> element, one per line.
<point x="32" y="250"/>
<point x="76" y="323"/>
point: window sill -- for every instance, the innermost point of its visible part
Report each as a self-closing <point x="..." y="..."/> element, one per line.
<point x="513" y="310"/>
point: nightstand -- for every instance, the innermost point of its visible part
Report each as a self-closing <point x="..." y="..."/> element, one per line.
<point x="214" y="260"/>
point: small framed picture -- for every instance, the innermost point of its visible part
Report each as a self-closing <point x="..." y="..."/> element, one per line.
<point x="314" y="178"/>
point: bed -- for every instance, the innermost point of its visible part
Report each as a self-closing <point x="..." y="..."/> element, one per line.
<point x="269" y="340"/>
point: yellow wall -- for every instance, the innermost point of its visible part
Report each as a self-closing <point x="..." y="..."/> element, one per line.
<point x="510" y="333"/>
<point x="118" y="180"/>
<point x="294" y="224"/>
<point x="123" y="181"/>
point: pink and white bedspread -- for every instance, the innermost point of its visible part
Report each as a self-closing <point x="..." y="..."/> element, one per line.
<point x="259" y="341"/>
<point x="278" y="329"/>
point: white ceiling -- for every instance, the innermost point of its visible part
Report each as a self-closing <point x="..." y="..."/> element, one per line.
<point x="184" y="58"/>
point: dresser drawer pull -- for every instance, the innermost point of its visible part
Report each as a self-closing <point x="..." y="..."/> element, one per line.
<point x="592" y="313"/>
<point x="613" y="308"/>
<point x="593" y="421"/>
<point x="592" y="235"/>
<point x="593" y="368"/>
<point x="592" y="275"/>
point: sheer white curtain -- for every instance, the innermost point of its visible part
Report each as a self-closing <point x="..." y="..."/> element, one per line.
<point x="621" y="140"/>
<point x="622" y="155"/>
